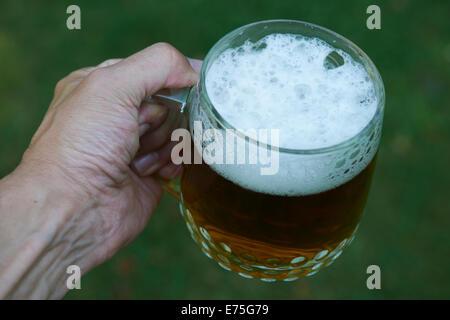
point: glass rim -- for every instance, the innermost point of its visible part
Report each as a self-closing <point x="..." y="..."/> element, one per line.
<point x="375" y="76"/>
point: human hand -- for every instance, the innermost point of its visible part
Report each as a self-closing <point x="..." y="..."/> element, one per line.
<point x="98" y="150"/>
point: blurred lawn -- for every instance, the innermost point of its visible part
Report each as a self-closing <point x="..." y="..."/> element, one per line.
<point x="406" y="226"/>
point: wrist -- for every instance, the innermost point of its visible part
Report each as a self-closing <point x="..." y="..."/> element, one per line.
<point x="42" y="232"/>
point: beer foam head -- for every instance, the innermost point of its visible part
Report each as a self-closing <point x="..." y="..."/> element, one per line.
<point x="285" y="82"/>
<point x="315" y="95"/>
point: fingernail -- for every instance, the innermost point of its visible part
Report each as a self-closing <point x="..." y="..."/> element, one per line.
<point x="147" y="164"/>
<point x="143" y="129"/>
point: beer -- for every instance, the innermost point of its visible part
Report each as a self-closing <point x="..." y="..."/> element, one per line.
<point x="247" y="231"/>
<point x="325" y="105"/>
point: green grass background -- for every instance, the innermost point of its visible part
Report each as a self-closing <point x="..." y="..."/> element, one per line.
<point x="405" y="229"/>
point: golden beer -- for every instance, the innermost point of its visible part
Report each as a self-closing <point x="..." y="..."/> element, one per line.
<point x="266" y="236"/>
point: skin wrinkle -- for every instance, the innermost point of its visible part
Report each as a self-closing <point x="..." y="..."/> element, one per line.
<point x="65" y="256"/>
<point x="66" y="247"/>
<point x="41" y="281"/>
<point x="16" y="289"/>
<point x="117" y="125"/>
<point x="121" y="96"/>
<point x="113" y="179"/>
<point x="63" y="171"/>
<point x="40" y="240"/>
<point x="102" y="155"/>
<point x="18" y="270"/>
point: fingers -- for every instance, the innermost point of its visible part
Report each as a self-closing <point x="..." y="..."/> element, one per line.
<point x="158" y="121"/>
<point x="151" y="117"/>
<point x="142" y="74"/>
<point x="151" y="162"/>
<point x="157" y="133"/>
<point x="155" y="139"/>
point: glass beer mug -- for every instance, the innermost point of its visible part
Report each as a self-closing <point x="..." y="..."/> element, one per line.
<point x="293" y="223"/>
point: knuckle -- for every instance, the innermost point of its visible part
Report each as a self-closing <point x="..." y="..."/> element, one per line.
<point x="79" y="73"/>
<point x="108" y="62"/>
<point x="60" y="84"/>
<point x="165" y="48"/>
<point x="69" y="78"/>
<point x="97" y="76"/>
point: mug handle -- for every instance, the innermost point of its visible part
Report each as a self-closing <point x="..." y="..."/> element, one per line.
<point x="179" y="96"/>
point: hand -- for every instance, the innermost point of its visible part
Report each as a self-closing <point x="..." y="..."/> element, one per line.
<point x="94" y="160"/>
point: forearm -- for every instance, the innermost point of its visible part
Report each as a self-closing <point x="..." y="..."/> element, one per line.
<point x="39" y="237"/>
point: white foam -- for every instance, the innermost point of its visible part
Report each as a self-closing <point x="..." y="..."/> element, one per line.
<point x="286" y="86"/>
<point x="282" y="82"/>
